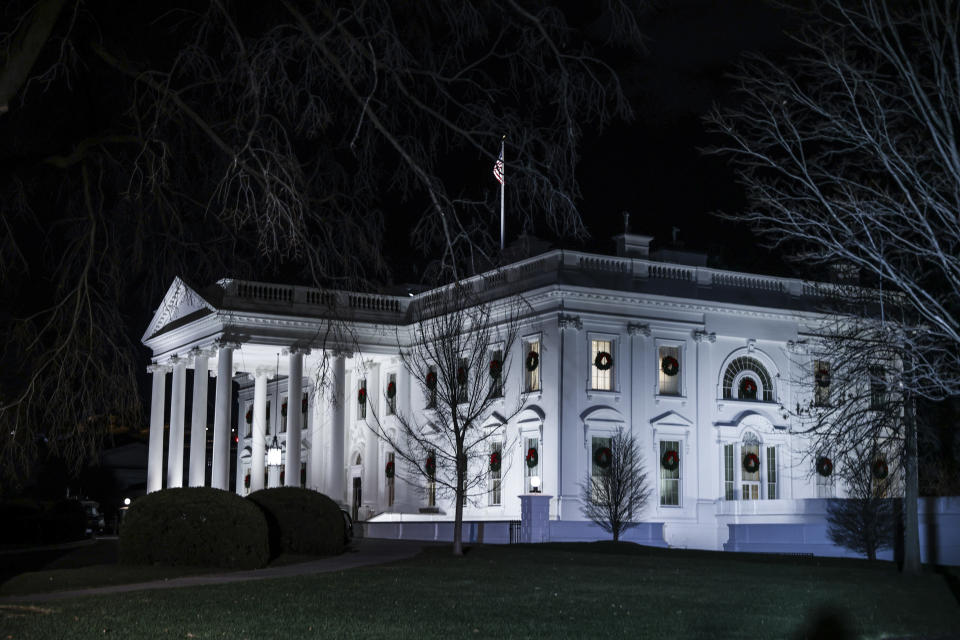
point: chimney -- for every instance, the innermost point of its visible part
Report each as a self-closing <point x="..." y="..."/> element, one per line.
<point x="632" y="245"/>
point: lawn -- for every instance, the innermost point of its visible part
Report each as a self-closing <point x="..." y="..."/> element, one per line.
<point x="582" y="590"/>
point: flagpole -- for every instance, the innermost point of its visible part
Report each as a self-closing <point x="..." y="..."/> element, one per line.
<point x="503" y="188"/>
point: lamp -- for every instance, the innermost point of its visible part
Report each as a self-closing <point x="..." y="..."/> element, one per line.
<point x="274" y="454"/>
<point x="534" y="484"/>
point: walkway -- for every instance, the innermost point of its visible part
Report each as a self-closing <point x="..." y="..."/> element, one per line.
<point x="363" y="552"/>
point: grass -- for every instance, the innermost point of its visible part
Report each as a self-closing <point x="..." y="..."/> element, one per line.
<point x="575" y="590"/>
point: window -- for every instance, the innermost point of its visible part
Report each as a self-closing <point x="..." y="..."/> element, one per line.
<point x="432" y="481"/>
<point x="821" y="383"/>
<point x="728" y="470"/>
<point x="668" y="365"/>
<point x="496" y="373"/>
<point x="771" y="473"/>
<point x="391" y="394"/>
<point x="825" y="486"/>
<point x="248" y="419"/>
<point x="283" y="415"/>
<point x="747" y="379"/>
<point x="392" y="463"/>
<point x="463" y="377"/>
<point x="601" y="379"/>
<point x="531" y="474"/>
<point x="750" y="459"/>
<point x="432" y="392"/>
<point x="531" y="365"/>
<point x="670" y="479"/>
<point x="495" y="477"/>
<point x="878" y="387"/>
<point x="362" y="400"/>
<point x="595" y="469"/>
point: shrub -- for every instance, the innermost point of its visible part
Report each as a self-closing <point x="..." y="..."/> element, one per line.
<point x="301" y="521"/>
<point x="21" y="520"/>
<point x="197" y="526"/>
<point x="64" y="521"/>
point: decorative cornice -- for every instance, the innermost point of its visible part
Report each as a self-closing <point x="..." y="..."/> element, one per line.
<point x="158" y="368"/>
<point x="638" y="329"/>
<point x="565" y="321"/>
<point x="202" y="352"/>
<point x="701" y="335"/>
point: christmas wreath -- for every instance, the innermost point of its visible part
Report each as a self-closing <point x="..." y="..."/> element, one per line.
<point x="431" y="466"/>
<point x="389" y="470"/>
<point x="303" y="404"/>
<point x="361" y="395"/>
<point x="249" y="415"/>
<point x="496" y="368"/>
<point x="748" y="389"/>
<point x="670" y="460"/>
<point x="824" y="466"/>
<point x="391" y="390"/>
<point x="603" y="457"/>
<point x="533" y="360"/>
<point x="669" y="365"/>
<point x="532" y="458"/>
<point x="880" y="469"/>
<point x="283" y="409"/>
<point x="431" y="381"/>
<point x="461" y="376"/>
<point x="246" y="481"/>
<point x="751" y="463"/>
<point x="823" y="378"/>
<point x="495" y="461"/>
<point x="603" y="361"/>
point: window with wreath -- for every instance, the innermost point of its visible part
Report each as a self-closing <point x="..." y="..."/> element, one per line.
<point x="747" y="379"/>
<point x="878" y="387"/>
<point x="821" y="383"/>
<point x="391" y="394"/>
<point x="531" y="465"/>
<point x="531" y="365"/>
<point x="668" y="371"/>
<point x="496" y="372"/>
<point x="750" y="467"/>
<point x="362" y="399"/>
<point x="248" y="421"/>
<point x="431" y="385"/>
<point x="463" y="377"/>
<point x="601" y="365"/>
<point x="494" y="477"/>
<point x="600" y="460"/>
<point x="670" y="473"/>
<point x="283" y="415"/>
<point x="825" y="476"/>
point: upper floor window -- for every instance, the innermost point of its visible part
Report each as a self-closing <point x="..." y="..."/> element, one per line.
<point x="878" y="387"/>
<point x="362" y="399"/>
<point x="531" y="365"/>
<point x="496" y="373"/>
<point x="821" y="383"/>
<point x="669" y="371"/>
<point x="747" y="379"/>
<point x="431" y="384"/>
<point x="391" y="394"/>
<point x="601" y="365"/>
<point x="463" y="376"/>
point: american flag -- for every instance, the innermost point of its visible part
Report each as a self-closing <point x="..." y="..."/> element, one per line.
<point x="498" y="168"/>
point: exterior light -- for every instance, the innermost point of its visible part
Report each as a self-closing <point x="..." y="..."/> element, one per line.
<point x="274" y="454"/>
<point x="534" y="484"/>
<point x="126" y="502"/>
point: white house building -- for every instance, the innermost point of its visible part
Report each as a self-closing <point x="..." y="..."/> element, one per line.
<point x="696" y="362"/>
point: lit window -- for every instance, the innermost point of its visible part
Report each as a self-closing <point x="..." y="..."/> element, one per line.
<point x="601" y="365"/>
<point x="669" y="371"/>
<point x="531" y="465"/>
<point x="747" y="379"/>
<point x="391" y="394"/>
<point x="750" y="468"/>
<point x="531" y="365"/>
<point x="670" y="478"/>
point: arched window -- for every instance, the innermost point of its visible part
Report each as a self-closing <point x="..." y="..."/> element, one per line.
<point x="747" y="379"/>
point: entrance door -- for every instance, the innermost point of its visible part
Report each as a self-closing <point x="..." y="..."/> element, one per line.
<point x="356" y="497"/>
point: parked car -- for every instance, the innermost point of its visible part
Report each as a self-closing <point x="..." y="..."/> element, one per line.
<point x="94" y="517"/>
<point x="347" y="527"/>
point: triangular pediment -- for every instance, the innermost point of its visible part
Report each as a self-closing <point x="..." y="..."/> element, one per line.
<point x="181" y="301"/>
<point x="670" y="419"/>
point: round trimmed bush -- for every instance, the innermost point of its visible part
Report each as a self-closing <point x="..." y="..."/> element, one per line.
<point x="196" y="527"/>
<point x="301" y="521"/>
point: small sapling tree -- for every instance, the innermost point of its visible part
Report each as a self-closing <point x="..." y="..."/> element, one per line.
<point x="615" y="491"/>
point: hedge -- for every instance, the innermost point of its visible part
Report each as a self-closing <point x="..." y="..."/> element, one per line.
<point x="196" y="527"/>
<point x="301" y="521"/>
<point x="26" y="521"/>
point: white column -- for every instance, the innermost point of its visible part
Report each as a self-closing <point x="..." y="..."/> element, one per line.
<point x="371" y="462"/>
<point x="155" y="451"/>
<point x="317" y="427"/>
<point x="258" y="449"/>
<point x="294" y="416"/>
<point x="335" y="468"/>
<point x="177" y="408"/>
<point x="220" y="474"/>
<point x="198" y="420"/>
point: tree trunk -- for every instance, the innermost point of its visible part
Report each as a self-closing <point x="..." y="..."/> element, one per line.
<point x="911" y="493"/>
<point x="458" y="512"/>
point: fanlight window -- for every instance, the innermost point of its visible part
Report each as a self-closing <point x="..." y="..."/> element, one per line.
<point x="747" y="379"/>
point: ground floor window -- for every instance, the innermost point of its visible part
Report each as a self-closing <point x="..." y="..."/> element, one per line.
<point x="495" y="477"/>
<point x="531" y="466"/>
<point x="750" y="471"/>
<point x="391" y="464"/>
<point x="729" y="492"/>
<point x="771" y="473"/>
<point x="600" y="454"/>
<point x="669" y="478"/>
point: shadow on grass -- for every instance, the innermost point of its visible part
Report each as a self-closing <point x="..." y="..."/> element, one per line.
<point x="827" y="623"/>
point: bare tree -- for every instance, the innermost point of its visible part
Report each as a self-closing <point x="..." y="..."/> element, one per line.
<point x="850" y="157"/>
<point x="460" y="350"/>
<point x="235" y="139"/>
<point x="615" y="491"/>
<point x="864" y="522"/>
